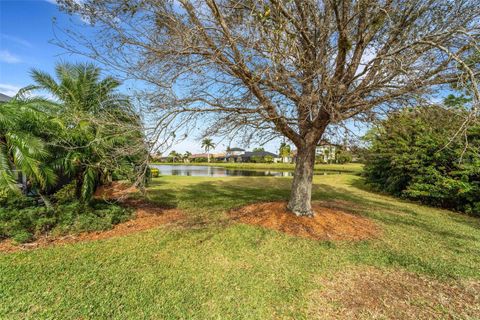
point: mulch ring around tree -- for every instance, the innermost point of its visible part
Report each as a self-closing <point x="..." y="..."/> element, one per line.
<point x="147" y="216"/>
<point x="328" y="223"/>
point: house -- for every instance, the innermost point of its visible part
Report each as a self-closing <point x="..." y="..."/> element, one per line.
<point x="240" y="155"/>
<point x="327" y="151"/>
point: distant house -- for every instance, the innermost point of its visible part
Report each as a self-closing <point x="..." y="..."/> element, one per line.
<point x="240" y="155"/>
<point x="4" y="98"/>
<point x="327" y="151"/>
<point x="324" y="152"/>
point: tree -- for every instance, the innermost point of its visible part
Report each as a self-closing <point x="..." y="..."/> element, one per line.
<point x="207" y="145"/>
<point x="285" y="68"/>
<point x="174" y="155"/>
<point x="100" y="132"/>
<point x="186" y="156"/>
<point x="22" y="146"/>
<point x="284" y="151"/>
<point x="415" y="154"/>
<point x="257" y="149"/>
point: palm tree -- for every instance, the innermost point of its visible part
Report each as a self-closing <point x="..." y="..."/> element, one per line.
<point x="22" y="149"/>
<point x="207" y="145"/>
<point x="174" y="155"/>
<point x="96" y="120"/>
<point x="186" y="156"/>
<point x="284" y="151"/>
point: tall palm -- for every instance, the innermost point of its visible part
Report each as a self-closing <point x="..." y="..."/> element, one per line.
<point x="186" y="156"/>
<point x="92" y="113"/>
<point x="22" y="148"/>
<point x="207" y="145"/>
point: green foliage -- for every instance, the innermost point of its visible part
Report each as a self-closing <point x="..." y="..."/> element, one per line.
<point x="416" y="154"/>
<point x="284" y="150"/>
<point x="258" y="149"/>
<point x="23" y="221"/>
<point x="66" y="194"/>
<point x="23" y="124"/>
<point x="268" y="159"/>
<point x="344" y="156"/>
<point x="154" y="172"/>
<point x="97" y="134"/>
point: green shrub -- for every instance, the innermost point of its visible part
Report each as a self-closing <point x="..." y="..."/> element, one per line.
<point x="343" y="157"/>
<point x="416" y="154"/>
<point x="24" y="223"/>
<point x="154" y="172"/>
<point x="66" y="194"/>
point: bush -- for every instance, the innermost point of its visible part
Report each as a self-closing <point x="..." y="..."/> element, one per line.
<point x="66" y="194"/>
<point x="409" y="157"/>
<point x="154" y="172"/>
<point x="24" y="223"/>
<point x="343" y="157"/>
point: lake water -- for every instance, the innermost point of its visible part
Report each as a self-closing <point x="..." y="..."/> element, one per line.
<point x="208" y="171"/>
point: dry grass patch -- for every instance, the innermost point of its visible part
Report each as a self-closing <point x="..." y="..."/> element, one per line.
<point x="370" y="293"/>
<point x="328" y="223"/>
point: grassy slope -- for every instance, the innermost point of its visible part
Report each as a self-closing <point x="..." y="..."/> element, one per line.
<point x="213" y="269"/>
<point x="348" y="167"/>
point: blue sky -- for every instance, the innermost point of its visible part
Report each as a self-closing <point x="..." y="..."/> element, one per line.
<point x="26" y="28"/>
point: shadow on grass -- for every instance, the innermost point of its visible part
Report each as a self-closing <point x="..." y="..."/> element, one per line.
<point x="208" y="201"/>
<point x="409" y="228"/>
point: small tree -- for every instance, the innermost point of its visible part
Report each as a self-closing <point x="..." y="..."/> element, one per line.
<point x="186" y="156"/>
<point x="207" y="145"/>
<point x="173" y="155"/>
<point x="284" y="151"/>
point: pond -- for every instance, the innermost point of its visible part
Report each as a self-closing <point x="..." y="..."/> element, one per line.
<point x="210" y="171"/>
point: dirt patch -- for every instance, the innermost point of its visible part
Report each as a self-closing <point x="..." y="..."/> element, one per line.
<point x="116" y="190"/>
<point x="147" y="216"/>
<point x="327" y="224"/>
<point x="370" y="293"/>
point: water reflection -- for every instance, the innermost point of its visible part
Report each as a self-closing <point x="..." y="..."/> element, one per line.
<point x="208" y="171"/>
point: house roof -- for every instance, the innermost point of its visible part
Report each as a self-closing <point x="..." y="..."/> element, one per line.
<point x="250" y="154"/>
<point x="236" y="149"/>
<point x="4" y="98"/>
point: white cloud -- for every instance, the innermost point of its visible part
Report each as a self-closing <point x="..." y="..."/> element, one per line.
<point x="17" y="40"/>
<point x="9" y="89"/>
<point x="6" y="56"/>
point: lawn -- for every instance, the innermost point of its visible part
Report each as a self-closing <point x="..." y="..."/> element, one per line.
<point x="209" y="267"/>
<point x="348" y="167"/>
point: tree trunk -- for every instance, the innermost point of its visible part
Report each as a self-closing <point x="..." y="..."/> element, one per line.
<point x="301" y="194"/>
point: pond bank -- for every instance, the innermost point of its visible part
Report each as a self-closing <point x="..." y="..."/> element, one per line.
<point x="349" y="167"/>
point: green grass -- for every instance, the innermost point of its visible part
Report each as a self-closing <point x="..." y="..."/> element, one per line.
<point x="348" y="167"/>
<point x="215" y="269"/>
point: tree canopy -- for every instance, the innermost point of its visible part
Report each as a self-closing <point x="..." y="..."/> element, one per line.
<point x="282" y="68"/>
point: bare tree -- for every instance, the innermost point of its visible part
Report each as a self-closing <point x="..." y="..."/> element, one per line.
<point x="283" y="67"/>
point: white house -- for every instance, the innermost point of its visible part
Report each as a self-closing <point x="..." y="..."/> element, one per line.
<point x="327" y="151"/>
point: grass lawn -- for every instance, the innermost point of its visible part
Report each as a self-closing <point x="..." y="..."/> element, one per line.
<point x="348" y="167"/>
<point x="212" y="268"/>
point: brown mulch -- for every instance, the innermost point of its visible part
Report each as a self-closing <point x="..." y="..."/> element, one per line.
<point x="328" y="223"/>
<point x="147" y="216"/>
<point x="371" y="293"/>
<point x="116" y="190"/>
